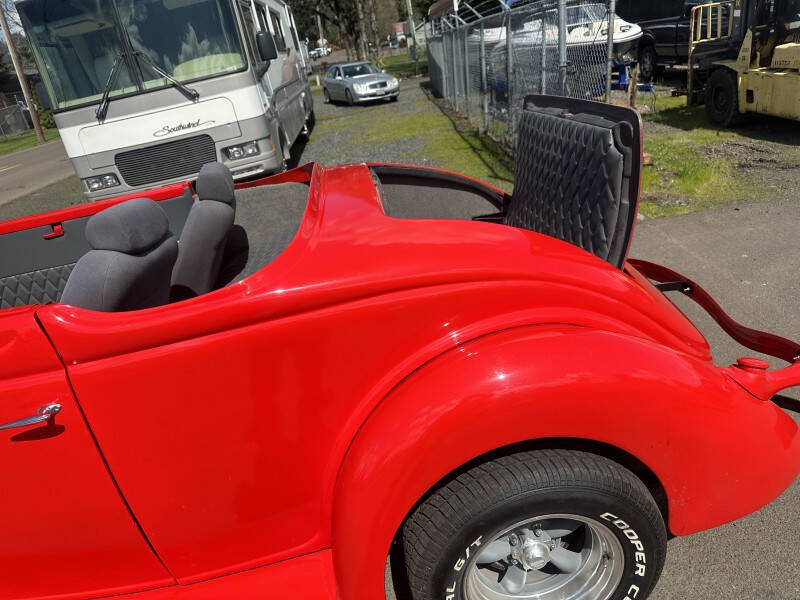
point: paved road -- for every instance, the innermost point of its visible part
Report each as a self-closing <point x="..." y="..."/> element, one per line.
<point x="746" y="256"/>
<point x="30" y="170"/>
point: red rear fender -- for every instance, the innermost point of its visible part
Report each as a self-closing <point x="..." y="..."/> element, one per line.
<point x="699" y="432"/>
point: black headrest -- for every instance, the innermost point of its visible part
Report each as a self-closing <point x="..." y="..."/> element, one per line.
<point x="130" y="227"/>
<point x="215" y="182"/>
<point x="578" y="174"/>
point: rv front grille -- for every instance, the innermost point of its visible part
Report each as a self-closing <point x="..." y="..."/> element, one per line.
<point x="181" y="158"/>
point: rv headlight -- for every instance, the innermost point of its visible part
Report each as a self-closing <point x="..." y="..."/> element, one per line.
<point x="241" y="151"/>
<point x="102" y="182"/>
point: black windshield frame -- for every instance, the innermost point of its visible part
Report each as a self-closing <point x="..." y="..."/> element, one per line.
<point x="133" y="64"/>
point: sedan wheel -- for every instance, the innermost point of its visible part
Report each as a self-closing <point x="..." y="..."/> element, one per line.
<point x="544" y="525"/>
<point x="349" y="97"/>
<point x="326" y="97"/>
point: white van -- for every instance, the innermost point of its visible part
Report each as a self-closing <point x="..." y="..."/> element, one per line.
<point x="144" y="92"/>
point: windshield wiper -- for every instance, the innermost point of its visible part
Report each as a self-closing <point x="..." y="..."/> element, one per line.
<point x="190" y="93"/>
<point x="112" y="79"/>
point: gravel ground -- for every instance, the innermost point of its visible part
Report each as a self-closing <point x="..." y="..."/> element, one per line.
<point x="338" y="136"/>
<point x="411" y="130"/>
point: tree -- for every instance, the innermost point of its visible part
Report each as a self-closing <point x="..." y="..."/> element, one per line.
<point x="344" y="16"/>
<point x="419" y="7"/>
<point x="18" y="67"/>
<point x="6" y="68"/>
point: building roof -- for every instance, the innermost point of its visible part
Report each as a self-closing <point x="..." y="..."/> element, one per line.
<point x="442" y="8"/>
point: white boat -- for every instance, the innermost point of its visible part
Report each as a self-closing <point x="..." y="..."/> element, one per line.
<point x="587" y="25"/>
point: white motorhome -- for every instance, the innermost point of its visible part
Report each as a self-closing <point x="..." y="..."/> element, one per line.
<point x="144" y="92"/>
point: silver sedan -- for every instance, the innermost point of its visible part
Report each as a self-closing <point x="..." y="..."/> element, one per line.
<point x="359" y="82"/>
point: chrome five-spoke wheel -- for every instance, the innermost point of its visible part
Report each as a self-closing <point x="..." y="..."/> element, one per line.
<point x="562" y="557"/>
<point x="545" y="524"/>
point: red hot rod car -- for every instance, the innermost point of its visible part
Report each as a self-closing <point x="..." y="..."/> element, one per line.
<point x="340" y="370"/>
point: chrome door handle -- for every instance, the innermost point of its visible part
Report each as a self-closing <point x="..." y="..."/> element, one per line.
<point x="46" y="412"/>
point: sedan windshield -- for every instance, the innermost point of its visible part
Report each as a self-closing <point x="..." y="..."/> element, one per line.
<point x="359" y="70"/>
<point x="76" y="42"/>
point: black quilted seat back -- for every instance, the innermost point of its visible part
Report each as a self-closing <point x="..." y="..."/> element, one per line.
<point x="578" y="174"/>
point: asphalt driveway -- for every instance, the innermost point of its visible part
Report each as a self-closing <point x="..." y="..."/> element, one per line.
<point x="746" y="257"/>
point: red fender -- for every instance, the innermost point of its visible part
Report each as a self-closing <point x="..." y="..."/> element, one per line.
<point x="702" y="435"/>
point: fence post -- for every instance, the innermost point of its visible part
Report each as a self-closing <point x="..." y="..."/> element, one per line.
<point x="485" y="99"/>
<point x="428" y="56"/>
<point x="543" y="82"/>
<point x="612" y="9"/>
<point x="455" y="67"/>
<point x="562" y="47"/>
<point x="509" y="77"/>
<point x="445" y="68"/>
<point x="466" y="68"/>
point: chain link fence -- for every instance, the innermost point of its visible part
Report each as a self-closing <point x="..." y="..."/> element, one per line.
<point x="13" y="121"/>
<point x="485" y="59"/>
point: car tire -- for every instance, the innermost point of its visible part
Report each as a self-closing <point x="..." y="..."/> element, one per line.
<point x="648" y="62"/>
<point x="394" y="98"/>
<point x="537" y="515"/>
<point x="722" y="98"/>
<point x="326" y="97"/>
<point x="349" y="97"/>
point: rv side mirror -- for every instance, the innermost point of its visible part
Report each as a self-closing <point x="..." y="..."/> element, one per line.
<point x="266" y="46"/>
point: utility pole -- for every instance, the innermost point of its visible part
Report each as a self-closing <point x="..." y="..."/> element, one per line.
<point x="413" y="36"/>
<point x="23" y="81"/>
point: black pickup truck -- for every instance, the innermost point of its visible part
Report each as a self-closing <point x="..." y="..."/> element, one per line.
<point x="665" y="24"/>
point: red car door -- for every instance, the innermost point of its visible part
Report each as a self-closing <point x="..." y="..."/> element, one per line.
<point x="65" y="528"/>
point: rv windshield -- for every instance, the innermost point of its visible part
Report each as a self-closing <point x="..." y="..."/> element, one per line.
<point x="75" y="43"/>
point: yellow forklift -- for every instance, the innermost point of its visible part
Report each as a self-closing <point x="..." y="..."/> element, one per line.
<point x="763" y="77"/>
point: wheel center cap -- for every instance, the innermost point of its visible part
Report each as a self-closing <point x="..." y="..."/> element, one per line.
<point x="535" y="555"/>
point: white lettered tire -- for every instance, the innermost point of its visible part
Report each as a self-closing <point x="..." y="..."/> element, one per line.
<point x="545" y="524"/>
